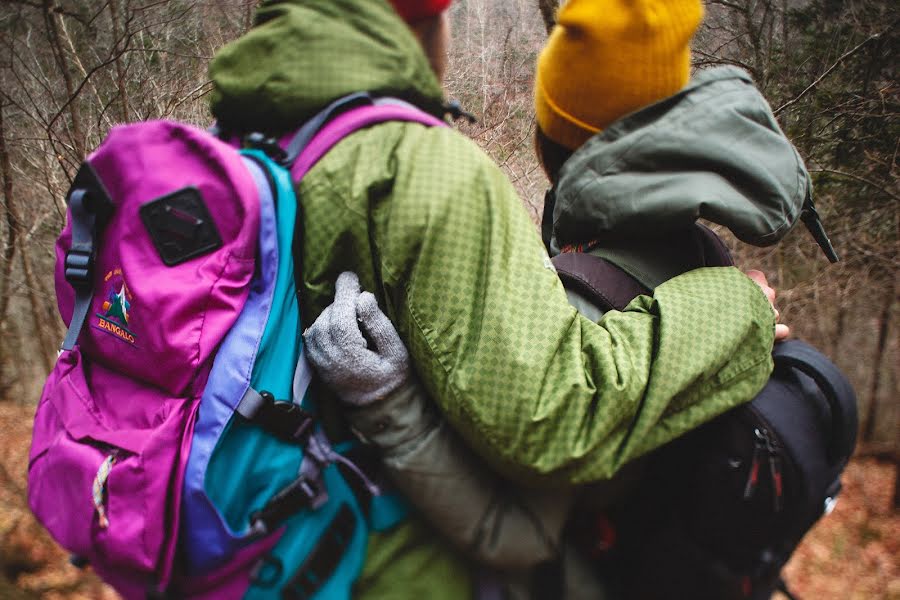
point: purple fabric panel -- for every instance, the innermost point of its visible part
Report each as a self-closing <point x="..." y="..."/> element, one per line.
<point x="209" y="540"/>
<point x="232" y="580"/>
<point x="350" y="121"/>
<point x="178" y="315"/>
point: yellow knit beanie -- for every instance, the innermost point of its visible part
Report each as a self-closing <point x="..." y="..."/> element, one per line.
<point x="608" y="58"/>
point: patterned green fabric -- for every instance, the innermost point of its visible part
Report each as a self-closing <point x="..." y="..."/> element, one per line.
<point x="302" y="54"/>
<point x="433" y="227"/>
<point x="435" y="230"/>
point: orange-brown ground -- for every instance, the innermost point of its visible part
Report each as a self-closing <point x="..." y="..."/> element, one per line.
<point x="853" y="554"/>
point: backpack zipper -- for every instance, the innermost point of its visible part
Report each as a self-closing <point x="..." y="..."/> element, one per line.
<point x="765" y="446"/>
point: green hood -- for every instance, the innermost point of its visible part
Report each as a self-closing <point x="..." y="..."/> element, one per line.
<point x="712" y="151"/>
<point x="302" y="54"/>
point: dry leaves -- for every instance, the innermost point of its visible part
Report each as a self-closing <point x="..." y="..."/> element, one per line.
<point x="853" y="554"/>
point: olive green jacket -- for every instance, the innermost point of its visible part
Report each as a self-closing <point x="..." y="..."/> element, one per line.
<point x="433" y="227"/>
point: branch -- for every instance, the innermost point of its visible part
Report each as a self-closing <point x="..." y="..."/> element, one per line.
<point x="868" y="182"/>
<point x="827" y="72"/>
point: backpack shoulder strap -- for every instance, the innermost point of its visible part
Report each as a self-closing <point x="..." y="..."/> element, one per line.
<point x="715" y="253"/>
<point x="341" y="118"/>
<point x="599" y="280"/>
<point x="834" y="385"/>
<point x="611" y="288"/>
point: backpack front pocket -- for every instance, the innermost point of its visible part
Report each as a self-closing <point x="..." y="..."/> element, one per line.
<point x="104" y="490"/>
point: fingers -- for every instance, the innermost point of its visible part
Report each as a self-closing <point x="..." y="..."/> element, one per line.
<point x="346" y="288"/>
<point x="378" y="327"/>
<point x="782" y="331"/>
<point x="759" y="278"/>
<point x="342" y="317"/>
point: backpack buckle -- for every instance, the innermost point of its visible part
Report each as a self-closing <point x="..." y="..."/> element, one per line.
<point x="303" y="492"/>
<point x="281" y="418"/>
<point x="284" y="419"/>
<point x="79" y="266"/>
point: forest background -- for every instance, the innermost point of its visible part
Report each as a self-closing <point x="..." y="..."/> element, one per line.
<point x="72" y="69"/>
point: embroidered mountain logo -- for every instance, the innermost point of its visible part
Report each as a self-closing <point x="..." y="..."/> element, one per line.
<point x="115" y="310"/>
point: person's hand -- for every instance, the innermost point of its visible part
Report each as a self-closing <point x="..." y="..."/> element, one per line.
<point x="359" y="371"/>
<point x="782" y="331"/>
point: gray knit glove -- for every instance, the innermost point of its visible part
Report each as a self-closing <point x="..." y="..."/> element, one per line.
<point x="360" y="372"/>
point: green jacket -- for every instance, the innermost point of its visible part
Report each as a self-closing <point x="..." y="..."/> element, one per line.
<point x="433" y="227"/>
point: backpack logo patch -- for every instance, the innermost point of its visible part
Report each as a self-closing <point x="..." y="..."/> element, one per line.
<point x="115" y="312"/>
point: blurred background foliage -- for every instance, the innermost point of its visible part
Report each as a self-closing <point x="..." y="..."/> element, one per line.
<point x="71" y="69"/>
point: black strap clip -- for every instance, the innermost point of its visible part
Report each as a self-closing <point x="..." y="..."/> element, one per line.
<point x="80" y="266"/>
<point x="300" y="494"/>
<point x="90" y="207"/>
<point x="285" y="420"/>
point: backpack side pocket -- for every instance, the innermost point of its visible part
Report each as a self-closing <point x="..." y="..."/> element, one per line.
<point x="106" y="492"/>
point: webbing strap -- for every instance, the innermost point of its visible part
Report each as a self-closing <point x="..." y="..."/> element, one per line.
<point x="324" y="558"/>
<point x="88" y="200"/>
<point x="349" y="119"/>
<point x="250" y="404"/>
<point x="306" y="133"/>
<point x="79" y="264"/>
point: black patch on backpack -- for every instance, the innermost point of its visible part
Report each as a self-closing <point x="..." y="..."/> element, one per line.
<point x="180" y="226"/>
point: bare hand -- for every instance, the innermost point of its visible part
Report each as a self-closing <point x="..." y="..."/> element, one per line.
<point x="782" y="331"/>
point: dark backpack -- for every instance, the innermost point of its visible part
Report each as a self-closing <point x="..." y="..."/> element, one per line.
<point x="718" y="512"/>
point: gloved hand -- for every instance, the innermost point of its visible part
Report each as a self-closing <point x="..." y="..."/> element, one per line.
<point x="359" y="372"/>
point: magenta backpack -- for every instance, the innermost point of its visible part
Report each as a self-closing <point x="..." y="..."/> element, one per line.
<point x="166" y="237"/>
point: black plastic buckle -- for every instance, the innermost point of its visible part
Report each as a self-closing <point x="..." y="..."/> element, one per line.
<point x="79" y="266"/>
<point x="300" y="494"/>
<point x="267" y="144"/>
<point x="286" y="420"/>
<point x="324" y="559"/>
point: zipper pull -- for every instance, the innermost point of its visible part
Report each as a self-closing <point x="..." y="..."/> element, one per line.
<point x="753" y="477"/>
<point x="775" y="472"/>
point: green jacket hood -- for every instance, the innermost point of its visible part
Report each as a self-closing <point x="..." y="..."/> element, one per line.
<point x="711" y="151"/>
<point x="302" y="54"/>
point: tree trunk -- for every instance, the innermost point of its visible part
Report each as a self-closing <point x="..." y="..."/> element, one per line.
<point x="120" y="70"/>
<point x="9" y="253"/>
<point x="884" y="323"/>
<point x="548" y="13"/>
<point x="12" y="227"/>
<point x="37" y="302"/>
<point x="59" y="55"/>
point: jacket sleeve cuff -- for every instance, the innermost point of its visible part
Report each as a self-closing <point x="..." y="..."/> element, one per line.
<point x="398" y="418"/>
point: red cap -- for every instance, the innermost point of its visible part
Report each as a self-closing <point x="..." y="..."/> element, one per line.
<point x="416" y="10"/>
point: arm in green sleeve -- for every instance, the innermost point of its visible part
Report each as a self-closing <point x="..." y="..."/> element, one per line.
<point x="537" y="390"/>
<point x="492" y="521"/>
